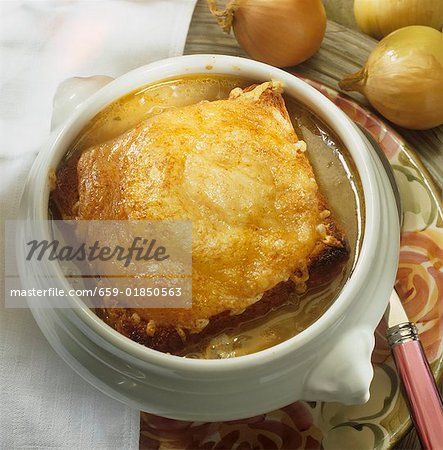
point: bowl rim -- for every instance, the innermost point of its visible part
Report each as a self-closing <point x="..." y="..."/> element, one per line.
<point x="336" y="119"/>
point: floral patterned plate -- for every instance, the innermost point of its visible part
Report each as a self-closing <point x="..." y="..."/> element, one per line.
<point x="382" y="421"/>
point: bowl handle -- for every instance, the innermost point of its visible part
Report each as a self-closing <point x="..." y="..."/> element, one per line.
<point x="71" y="93"/>
<point x="344" y="372"/>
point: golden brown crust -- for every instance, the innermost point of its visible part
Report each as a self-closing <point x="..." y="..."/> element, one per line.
<point x="169" y="340"/>
<point x="261" y="228"/>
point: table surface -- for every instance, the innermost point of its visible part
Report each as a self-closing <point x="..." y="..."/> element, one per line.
<point x="343" y="51"/>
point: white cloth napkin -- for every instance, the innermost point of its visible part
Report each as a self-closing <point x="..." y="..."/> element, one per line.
<point x="43" y="403"/>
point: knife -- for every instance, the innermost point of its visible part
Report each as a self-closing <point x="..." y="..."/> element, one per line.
<point x="419" y="386"/>
<point x="424" y="400"/>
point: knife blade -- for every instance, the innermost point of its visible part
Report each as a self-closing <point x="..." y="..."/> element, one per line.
<point x="395" y="313"/>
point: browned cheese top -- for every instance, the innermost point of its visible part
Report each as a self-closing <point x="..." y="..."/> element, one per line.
<point x="237" y="170"/>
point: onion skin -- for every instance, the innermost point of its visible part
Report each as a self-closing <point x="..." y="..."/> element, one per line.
<point x="378" y="18"/>
<point x="282" y="33"/>
<point x="403" y="78"/>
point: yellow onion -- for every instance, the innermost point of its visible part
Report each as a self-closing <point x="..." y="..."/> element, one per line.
<point x="279" y="32"/>
<point x="403" y="78"/>
<point x="378" y="18"/>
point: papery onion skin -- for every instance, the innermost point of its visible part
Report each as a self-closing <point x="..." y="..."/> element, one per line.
<point x="282" y="33"/>
<point x="403" y="78"/>
<point x="378" y="18"/>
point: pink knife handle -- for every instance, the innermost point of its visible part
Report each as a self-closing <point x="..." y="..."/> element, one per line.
<point x="425" y="403"/>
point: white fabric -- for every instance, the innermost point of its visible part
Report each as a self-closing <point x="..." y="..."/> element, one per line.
<point x="43" y="403"/>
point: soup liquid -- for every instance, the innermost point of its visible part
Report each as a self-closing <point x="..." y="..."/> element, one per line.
<point x="335" y="173"/>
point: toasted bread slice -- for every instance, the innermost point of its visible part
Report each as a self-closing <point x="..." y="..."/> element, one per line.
<point x="237" y="170"/>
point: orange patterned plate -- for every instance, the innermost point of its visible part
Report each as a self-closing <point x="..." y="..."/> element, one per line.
<point x="384" y="419"/>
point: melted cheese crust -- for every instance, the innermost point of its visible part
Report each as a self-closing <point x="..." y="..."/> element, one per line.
<point x="237" y="170"/>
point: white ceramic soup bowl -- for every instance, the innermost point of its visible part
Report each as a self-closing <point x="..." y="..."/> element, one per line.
<point x="329" y="361"/>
